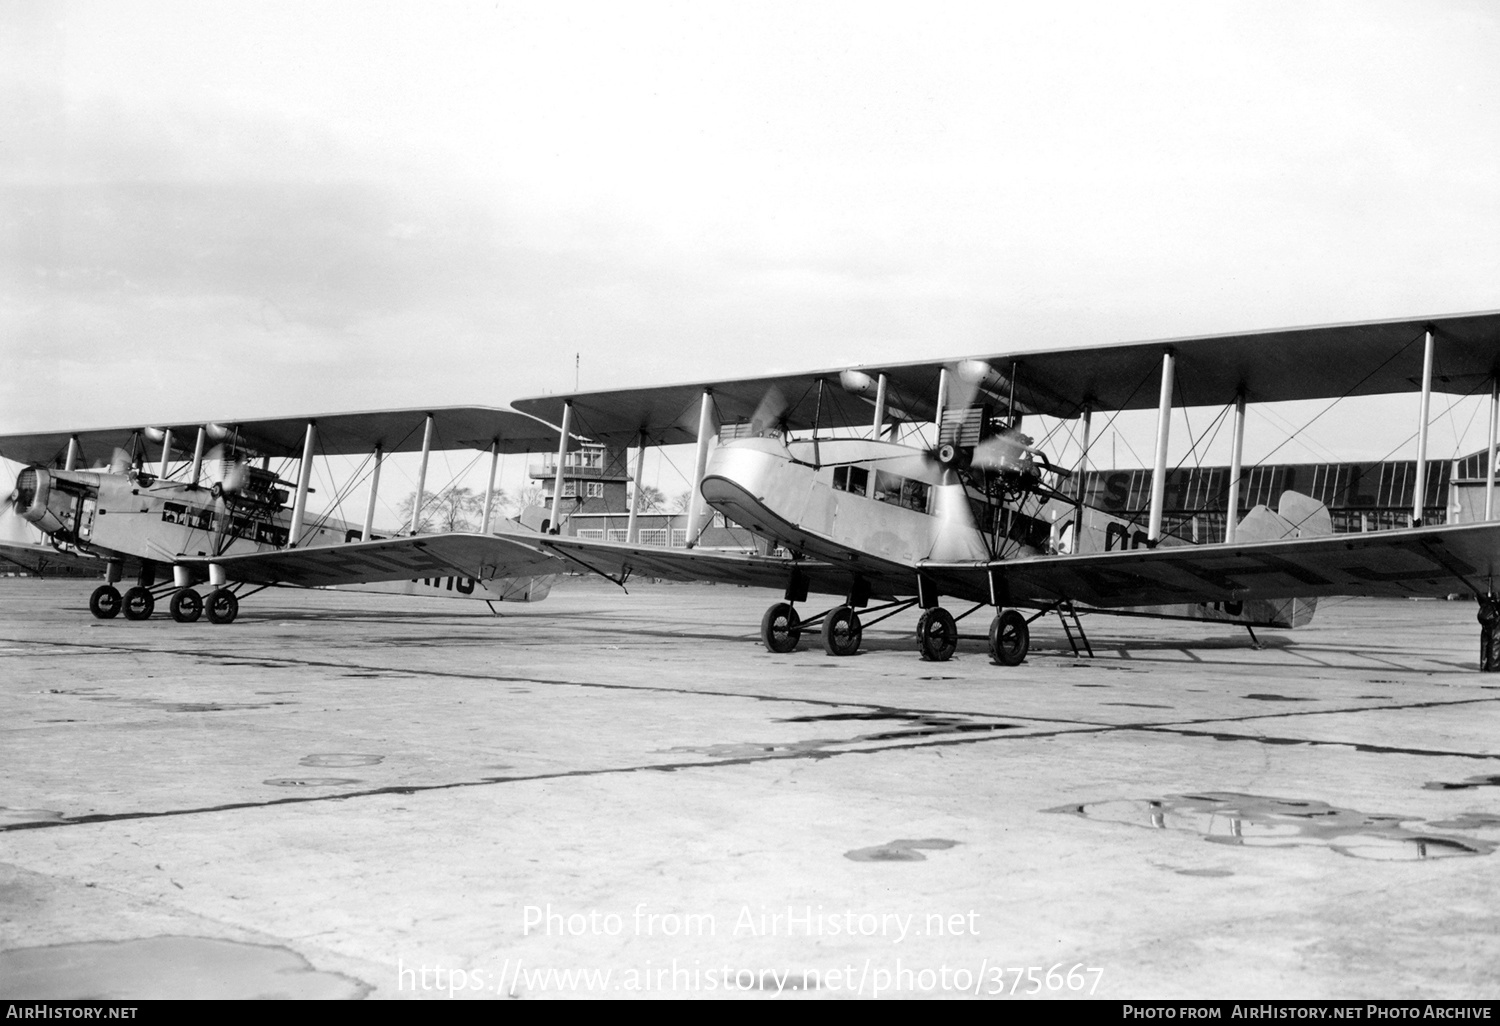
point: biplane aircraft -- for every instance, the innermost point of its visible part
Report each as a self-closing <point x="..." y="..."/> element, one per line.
<point x="209" y="508"/>
<point x="849" y="507"/>
<point x="978" y="514"/>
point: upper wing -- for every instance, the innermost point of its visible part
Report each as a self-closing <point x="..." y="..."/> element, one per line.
<point x="1370" y="358"/>
<point x="480" y="556"/>
<point x="455" y="427"/>
<point x="1425" y="561"/>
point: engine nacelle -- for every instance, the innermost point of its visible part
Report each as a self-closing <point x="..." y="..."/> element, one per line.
<point x="50" y="501"/>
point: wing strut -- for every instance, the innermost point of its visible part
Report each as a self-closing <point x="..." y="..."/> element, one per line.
<point x="624" y="575"/>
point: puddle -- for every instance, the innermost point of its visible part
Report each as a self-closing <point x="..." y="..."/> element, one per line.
<point x="340" y="760"/>
<point x="1139" y="705"/>
<point x="170" y="968"/>
<point x="900" y="850"/>
<point x="1357" y="697"/>
<point x="1225" y="817"/>
<point x="751" y="749"/>
<point x="924" y="724"/>
<point x="1468" y="821"/>
<point x="937" y="678"/>
<point x="1277" y="698"/>
<point x="8" y="816"/>
<point x="311" y="781"/>
<point x="87" y="694"/>
<point x="1204" y="872"/>
<point x="1464" y="785"/>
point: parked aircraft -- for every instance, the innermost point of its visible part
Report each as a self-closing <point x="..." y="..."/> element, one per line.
<point x="219" y="500"/>
<point x="979" y="515"/>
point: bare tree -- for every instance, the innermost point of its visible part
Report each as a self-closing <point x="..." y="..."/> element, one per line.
<point x="651" y="500"/>
<point x="452" y="509"/>
<point x="683" y="502"/>
<point x="531" y="495"/>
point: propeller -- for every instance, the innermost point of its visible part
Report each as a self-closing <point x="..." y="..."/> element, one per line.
<point x="228" y="471"/>
<point x="955" y="536"/>
<point x="12" y="493"/>
<point x="770" y="414"/>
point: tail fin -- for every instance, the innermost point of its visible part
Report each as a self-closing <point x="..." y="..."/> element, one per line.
<point x="1296" y="516"/>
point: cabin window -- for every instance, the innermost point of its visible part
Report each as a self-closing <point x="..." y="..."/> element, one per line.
<point x="594" y="489"/>
<point x="901" y="491"/>
<point x="855" y="480"/>
<point x="915" y="494"/>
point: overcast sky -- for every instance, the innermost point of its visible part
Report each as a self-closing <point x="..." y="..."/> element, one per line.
<point x="236" y="209"/>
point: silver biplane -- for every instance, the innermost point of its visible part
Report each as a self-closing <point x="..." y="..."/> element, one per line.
<point x="180" y="506"/>
<point x="978" y="514"/>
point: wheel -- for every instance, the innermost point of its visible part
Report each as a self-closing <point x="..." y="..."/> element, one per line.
<point x="841" y="632"/>
<point x="138" y="604"/>
<point x="1010" y="638"/>
<point x="937" y="635"/>
<point x="105" y="602"/>
<point x="781" y="628"/>
<point x="222" y="606"/>
<point x="186" y="606"/>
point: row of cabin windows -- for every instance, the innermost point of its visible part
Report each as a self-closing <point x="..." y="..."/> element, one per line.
<point x="892" y="488"/>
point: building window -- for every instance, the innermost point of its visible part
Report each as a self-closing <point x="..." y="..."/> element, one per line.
<point x="654" y="536"/>
<point x="570" y="489"/>
<point x="679" y="537"/>
<point x="617" y="534"/>
<point x="592" y="534"/>
<point x="594" y="489"/>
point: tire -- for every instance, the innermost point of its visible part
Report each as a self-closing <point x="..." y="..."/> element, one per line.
<point x="222" y="606"/>
<point x="105" y="602"/>
<point x="139" y="604"/>
<point x="1010" y="638"/>
<point x="841" y="632"/>
<point x="937" y="635"/>
<point x="186" y="606"/>
<point x="780" y="628"/>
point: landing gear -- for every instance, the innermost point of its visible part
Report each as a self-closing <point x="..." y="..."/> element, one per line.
<point x="186" y="606"/>
<point x="1010" y="638"/>
<point x="105" y="602"/>
<point x="139" y="603"/>
<point x="781" y="628"/>
<point x="222" y="606"/>
<point x="937" y="634"/>
<point x="842" y="631"/>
